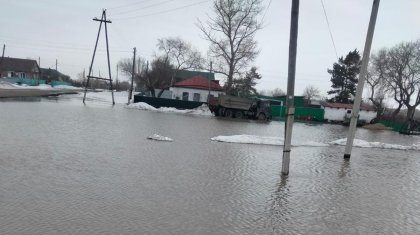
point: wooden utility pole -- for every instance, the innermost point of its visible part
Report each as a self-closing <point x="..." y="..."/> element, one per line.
<point x="290" y="87"/>
<point x="211" y="70"/>
<point x="130" y="94"/>
<point x="362" y="76"/>
<point x="56" y="63"/>
<point x="116" y="81"/>
<point x="4" y="48"/>
<point x="105" y="22"/>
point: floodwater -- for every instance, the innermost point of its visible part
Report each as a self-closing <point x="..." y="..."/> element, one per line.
<point x="66" y="168"/>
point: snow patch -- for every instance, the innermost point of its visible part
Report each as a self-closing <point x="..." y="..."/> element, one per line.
<point x="141" y="106"/>
<point x="265" y="140"/>
<point x="203" y="110"/>
<point x="365" y="144"/>
<point x="66" y="87"/>
<point x="159" y="138"/>
<point x="249" y="139"/>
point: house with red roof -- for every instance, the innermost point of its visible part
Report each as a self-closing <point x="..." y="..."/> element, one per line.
<point x="337" y="112"/>
<point x="197" y="88"/>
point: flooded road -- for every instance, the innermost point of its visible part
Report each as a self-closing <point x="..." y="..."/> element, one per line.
<point x="66" y="168"/>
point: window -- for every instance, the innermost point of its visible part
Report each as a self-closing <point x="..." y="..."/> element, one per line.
<point x="196" y="97"/>
<point x="22" y="75"/>
<point x="185" y="96"/>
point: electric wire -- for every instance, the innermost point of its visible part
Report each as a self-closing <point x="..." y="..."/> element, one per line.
<point x="162" y="12"/>
<point x="140" y="9"/>
<point x="266" y="10"/>
<point x="128" y="5"/>
<point x="329" y="28"/>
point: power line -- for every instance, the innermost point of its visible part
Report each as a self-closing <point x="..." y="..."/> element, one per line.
<point x="51" y="45"/>
<point x="128" y="5"/>
<point x="266" y="10"/>
<point x="162" y="12"/>
<point x="329" y="28"/>
<point x="140" y="9"/>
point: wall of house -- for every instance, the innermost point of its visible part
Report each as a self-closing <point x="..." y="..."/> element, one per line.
<point x="334" y="114"/>
<point x="367" y="115"/>
<point x="177" y="93"/>
<point x="13" y="74"/>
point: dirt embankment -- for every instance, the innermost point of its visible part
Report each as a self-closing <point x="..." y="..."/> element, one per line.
<point x="376" y="126"/>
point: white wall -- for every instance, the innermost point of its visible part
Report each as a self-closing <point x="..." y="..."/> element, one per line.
<point x="177" y="92"/>
<point x="335" y="114"/>
<point x="367" y="115"/>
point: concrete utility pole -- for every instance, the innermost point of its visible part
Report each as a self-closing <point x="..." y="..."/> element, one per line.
<point x="56" y="63"/>
<point x="130" y="94"/>
<point x="290" y="87"/>
<point x="362" y="76"/>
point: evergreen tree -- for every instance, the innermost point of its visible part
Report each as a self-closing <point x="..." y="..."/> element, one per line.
<point x="344" y="77"/>
<point x="245" y="87"/>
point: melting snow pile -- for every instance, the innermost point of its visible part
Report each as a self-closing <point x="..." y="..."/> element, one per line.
<point x="159" y="138"/>
<point x="141" y="106"/>
<point x="365" y="144"/>
<point x="265" y="140"/>
<point x="201" y="111"/>
<point x="249" y="139"/>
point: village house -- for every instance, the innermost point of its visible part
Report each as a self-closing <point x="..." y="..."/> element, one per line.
<point x="19" y="68"/>
<point x="197" y="89"/>
<point x="336" y="112"/>
<point x="50" y="75"/>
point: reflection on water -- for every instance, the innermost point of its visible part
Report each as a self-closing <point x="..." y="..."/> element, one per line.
<point x="66" y="168"/>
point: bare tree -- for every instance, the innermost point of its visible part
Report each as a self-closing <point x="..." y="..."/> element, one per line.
<point x="158" y="76"/>
<point x="126" y="67"/>
<point x="181" y="54"/>
<point x="402" y="75"/>
<point x="231" y="35"/>
<point x="274" y="92"/>
<point x="375" y="81"/>
<point x="310" y="92"/>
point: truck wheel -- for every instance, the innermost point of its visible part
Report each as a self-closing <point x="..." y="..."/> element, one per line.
<point x="228" y="113"/>
<point x="239" y="114"/>
<point x="261" y="117"/>
<point x="220" y="112"/>
<point x="216" y="113"/>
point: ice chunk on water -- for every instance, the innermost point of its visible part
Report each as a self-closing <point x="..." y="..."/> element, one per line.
<point x="159" y="138"/>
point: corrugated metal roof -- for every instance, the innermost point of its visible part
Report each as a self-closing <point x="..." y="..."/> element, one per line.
<point x="346" y="106"/>
<point x="199" y="82"/>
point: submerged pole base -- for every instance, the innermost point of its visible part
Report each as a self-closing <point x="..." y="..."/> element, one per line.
<point x="346" y="156"/>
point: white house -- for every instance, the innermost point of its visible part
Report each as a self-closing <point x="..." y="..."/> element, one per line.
<point x="197" y="88"/>
<point x="337" y="111"/>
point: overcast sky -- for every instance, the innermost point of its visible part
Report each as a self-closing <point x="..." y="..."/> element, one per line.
<point x="64" y="30"/>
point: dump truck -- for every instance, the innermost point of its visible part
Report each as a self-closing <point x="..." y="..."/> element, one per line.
<point x="238" y="107"/>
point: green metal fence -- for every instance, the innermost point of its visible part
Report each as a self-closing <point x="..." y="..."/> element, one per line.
<point x="301" y="113"/>
<point x="59" y="83"/>
<point x="396" y="126"/>
<point x="161" y="102"/>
